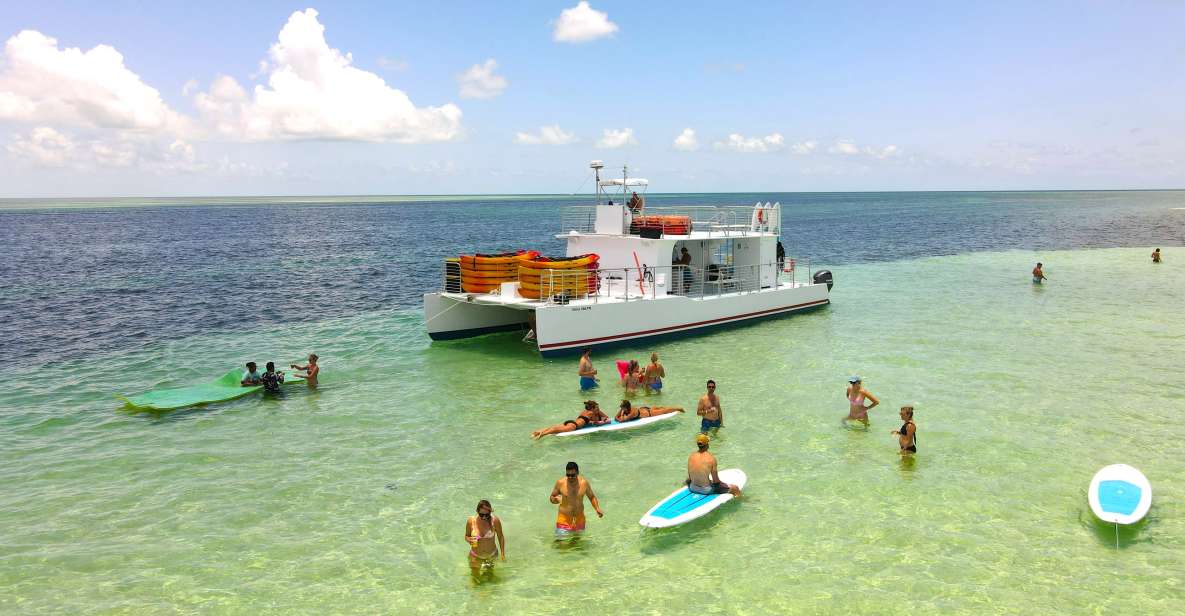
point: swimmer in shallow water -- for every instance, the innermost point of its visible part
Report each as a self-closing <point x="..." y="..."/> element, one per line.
<point x="907" y="436"/>
<point x="480" y="532"/>
<point x="1038" y="275"/>
<point x="627" y="412"/>
<point x="633" y="377"/>
<point x="590" y="416"/>
<point x="1156" y="256"/>
<point x="588" y="374"/>
<point x="311" y="370"/>
<point x="856" y="394"/>
<point x="654" y="375"/>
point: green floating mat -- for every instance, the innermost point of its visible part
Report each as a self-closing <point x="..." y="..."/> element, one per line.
<point x="227" y="387"/>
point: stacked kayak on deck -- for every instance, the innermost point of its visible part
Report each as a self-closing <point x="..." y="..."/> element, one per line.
<point x="482" y="273"/>
<point x="548" y="276"/>
<point x="674" y="225"/>
<point x="227" y="387"/>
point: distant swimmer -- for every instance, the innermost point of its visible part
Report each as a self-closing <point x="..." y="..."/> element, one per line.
<point x="702" y="475"/>
<point x="588" y="374"/>
<point x="569" y="493"/>
<point x="590" y="416"/>
<point x="1156" y="256"/>
<point x="907" y="436"/>
<point x="654" y="375"/>
<point x="480" y="532"/>
<point x="1038" y="275"/>
<point x="311" y="370"/>
<point x="856" y="394"/>
<point x="627" y="412"/>
<point x="709" y="409"/>
<point x="251" y="376"/>
<point x="272" y="379"/>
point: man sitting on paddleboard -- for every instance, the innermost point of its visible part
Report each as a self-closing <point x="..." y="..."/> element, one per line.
<point x="709" y="409"/>
<point x="626" y="413"/>
<point x="569" y="493"/>
<point x="702" y="476"/>
<point x="251" y="376"/>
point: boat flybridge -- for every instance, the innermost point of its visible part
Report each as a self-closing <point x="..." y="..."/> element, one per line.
<point x="631" y="272"/>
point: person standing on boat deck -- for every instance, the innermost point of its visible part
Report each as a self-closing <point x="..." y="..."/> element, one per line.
<point x="311" y="370"/>
<point x="856" y="394"/>
<point x="588" y="374"/>
<point x="907" y="436"/>
<point x="781" y="256"/>
<point x="251" y="376"/>
<point x="569" y="493"/>
<point x="702" y="475"/>
<point x="709" y="410"/>
<point x="635" y="204"/>
<point x="655" y="373"/>
<point x="480" y="532"/>
<point x="1038" y="275"/>
<point x="684" y="261"/>
<point x="1156" y="256"/>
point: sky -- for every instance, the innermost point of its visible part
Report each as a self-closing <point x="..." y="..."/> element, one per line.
<point x="275" y="98"/>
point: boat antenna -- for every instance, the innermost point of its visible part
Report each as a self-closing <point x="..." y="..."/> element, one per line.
<point x="596" y="166"/>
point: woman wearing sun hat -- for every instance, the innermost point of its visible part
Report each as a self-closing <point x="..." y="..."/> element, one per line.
<point x="857" y="410"/>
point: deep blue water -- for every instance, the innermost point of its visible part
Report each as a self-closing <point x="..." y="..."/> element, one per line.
<point x="83" y="281"/>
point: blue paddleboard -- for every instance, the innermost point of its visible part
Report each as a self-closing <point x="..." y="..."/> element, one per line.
<point x="683" y="505"/>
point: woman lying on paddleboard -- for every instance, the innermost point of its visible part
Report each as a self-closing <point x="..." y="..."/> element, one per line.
<point x="590" y="416"/>
<point x="626" y="413"/>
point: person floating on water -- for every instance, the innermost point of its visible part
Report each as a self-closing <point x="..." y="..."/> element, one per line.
<point x="856" y="395"/>
<point x="271" y="379"/>
<point x="590" y="416"/>
<point x="626" y="412"/>
<point x="1156" y="256"/>
<point x="907" y="436"/>
<point x="1038" y="275"/>
<point x="709" y="409"/>
<point x="654" y="375"/>
<point x="702" y="475"/>
<point x="588" y="374"/>
<point x="250" y="377"/>
<point x="311" y="370"/>
<point x="569" y="493"/>
<point x="480" y="533"/>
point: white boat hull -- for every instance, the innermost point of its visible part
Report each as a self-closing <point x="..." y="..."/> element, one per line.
<point x="449" y="317"/>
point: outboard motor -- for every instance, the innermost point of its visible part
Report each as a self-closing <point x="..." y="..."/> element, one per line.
<point x="824" y="277"/>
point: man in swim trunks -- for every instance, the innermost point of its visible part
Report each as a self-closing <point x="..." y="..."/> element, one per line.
<point x="569" y="493"/>
<point x="709" y="409"/>
<point x="1038" y="275"/>
<point x="625" y="412"/>
<point x="311" y="370"/>
<point x="654" y="374"/>
<point x="480" y="533"/>
<point x="702" y="476"/>
<point x="271" y="379"/>
<point x="588" y="374"/>
<point x="1156" y="256"/>
<point x="250" y="377"/>
<point x="590" y="416"/>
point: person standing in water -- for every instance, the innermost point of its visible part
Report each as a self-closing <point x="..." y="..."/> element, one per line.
<point x="702" y="474"/>
<point x="655" y="373"/>
<point x="272" y="379"/>
<point x="1156" y="256"/>
<point x="1038" y="275"/>
<point x="480" y="532"/>
<point x="311" y="370"/>
<point x="569" y="493"/>
<point x="709" y="410"/>
<point x="588" y="374"/>
<point x="907" y="436"/>
<point x="856" y="394"/>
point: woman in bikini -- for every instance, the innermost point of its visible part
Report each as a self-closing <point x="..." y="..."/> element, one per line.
<point x="590" y="416"/>
<point x="857" y="410"/>
<point x="626" y="413"/>
<point x="480" y="532"/>
<point x="907" y="436"/>
<point x="633" y="377"/>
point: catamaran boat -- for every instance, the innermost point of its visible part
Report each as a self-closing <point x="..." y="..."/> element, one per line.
<point x="631" y="273"/>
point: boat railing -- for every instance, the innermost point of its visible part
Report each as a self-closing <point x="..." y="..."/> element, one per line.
<point x="713" y="220"/>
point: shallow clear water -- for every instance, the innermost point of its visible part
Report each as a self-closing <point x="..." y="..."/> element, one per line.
<point x="353" y="497"/>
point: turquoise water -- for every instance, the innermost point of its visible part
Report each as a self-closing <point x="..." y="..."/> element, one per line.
<point x="353" y="497"/>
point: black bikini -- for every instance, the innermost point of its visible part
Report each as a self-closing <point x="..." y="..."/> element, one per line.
<point x="913" y="447"/>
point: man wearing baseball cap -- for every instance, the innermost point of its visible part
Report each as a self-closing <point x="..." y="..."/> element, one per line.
<point x="702" y="475"/>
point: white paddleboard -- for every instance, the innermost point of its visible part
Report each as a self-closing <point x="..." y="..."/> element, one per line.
<point x="1120" y="494"/>
<point x="683" y="505"/>
<point x="615" y="425"/>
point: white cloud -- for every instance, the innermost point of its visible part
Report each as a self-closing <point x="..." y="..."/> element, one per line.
<point x="44" y="146"/>
<point x="190" y="87"/>
<point x="846" y="148"/>
<point x="41" y="83"/>
<point x="548" y="135"/>
<point x="888" y="151"/>
<point x="47" y="147"/>
<point x="740" y="143"/>
<point x="394" y="65"/>
<point x="613" y="138"/>
<point x="849" y="148"/>
<point x="804" y="147"/>
<point x="686" y="141"/>
<point x="581" y="24"/>
<point x="313" y="92"/>
<point x="481" y="82"/>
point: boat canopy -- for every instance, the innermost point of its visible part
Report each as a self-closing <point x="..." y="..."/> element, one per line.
<point x="626" y="182"/>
